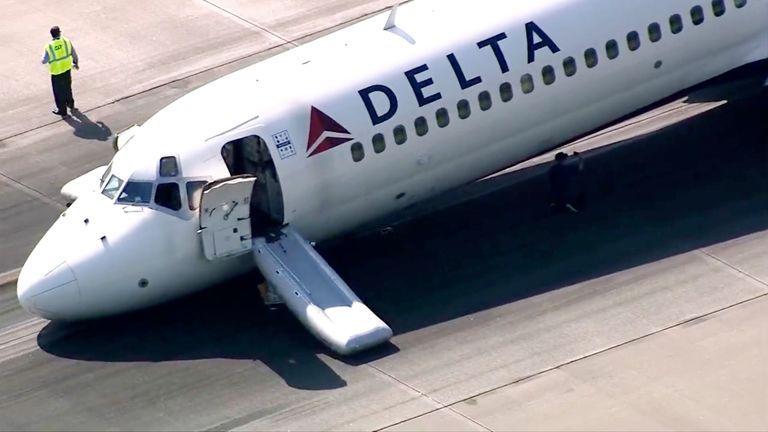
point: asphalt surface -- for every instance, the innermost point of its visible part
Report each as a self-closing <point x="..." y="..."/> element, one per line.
<point x="645" y="311"/>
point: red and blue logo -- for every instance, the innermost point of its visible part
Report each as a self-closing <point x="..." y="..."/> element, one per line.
<point x="325" y="133"/>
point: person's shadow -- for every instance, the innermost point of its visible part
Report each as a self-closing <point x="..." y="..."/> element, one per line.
<point x="86" y="129"/>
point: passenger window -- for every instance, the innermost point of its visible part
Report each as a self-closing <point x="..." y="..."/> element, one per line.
<point x="590" y="57"/>
<point x="718" y="7"/>
<point x="358" y="153"/>
<point x="697" y="15"/>
<point x="464" y="109"/>
<point x="136" y="193"/>
<point x="401" y="136"/>
<point x="612" y="49"/>
<point x="169" y="167"/>
<point x="526" y="83"/>
<point x="548" y="74"/>
<point x="654" y="32"/>
<point x="569" y="66"/>
<point x="442" y="117"/>
<point x="505" y="91"/>
<point x="633" y="41"/>
<point x="739" y="3"/>
<point x="675" y="24"/>
<point x="379" y="145"/>
<point x="167" y="195"/>
<point x="195" y="193"/>
<point x="484" y="99"/>
<point x="421" y="126"/>
<point x="113" y="187"/>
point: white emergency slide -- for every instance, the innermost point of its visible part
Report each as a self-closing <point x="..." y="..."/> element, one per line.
<point x="318" y="297"/>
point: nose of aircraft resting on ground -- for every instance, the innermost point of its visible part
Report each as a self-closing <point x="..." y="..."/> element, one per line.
<point x="48" y="285"/>
<point x="101" y="259"/>
<point x="48" y="289"/>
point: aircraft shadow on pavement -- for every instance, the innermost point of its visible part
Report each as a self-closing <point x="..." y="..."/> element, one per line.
<point x="84" y="128"/>
<point x="690" y="185"/>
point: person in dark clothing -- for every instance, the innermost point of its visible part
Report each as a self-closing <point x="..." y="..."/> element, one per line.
<point x="563" y="176"/>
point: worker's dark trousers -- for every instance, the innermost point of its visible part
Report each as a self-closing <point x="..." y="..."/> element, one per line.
<point x="62" y="91"/>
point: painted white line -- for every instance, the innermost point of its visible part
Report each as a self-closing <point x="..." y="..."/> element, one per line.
<point x="20" y="338"/>
<point x="9" y="277"/>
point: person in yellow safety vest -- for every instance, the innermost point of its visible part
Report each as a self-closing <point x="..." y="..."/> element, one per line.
<point x="61" y="57"/>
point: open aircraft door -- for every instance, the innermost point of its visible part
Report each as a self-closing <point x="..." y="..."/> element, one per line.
<point x="225" y="223"/>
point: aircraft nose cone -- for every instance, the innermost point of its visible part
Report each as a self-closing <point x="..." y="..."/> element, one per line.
<point x="51" y="293"/>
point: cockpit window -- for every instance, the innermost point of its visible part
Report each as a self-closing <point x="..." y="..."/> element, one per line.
<point x="169" y="167"/>
<point x="136" y="193"/>
<point x="106" y="174"/>
<point x="194" y="193"/>
<point x="167" y="195"/>
<point x="113" y="187"/>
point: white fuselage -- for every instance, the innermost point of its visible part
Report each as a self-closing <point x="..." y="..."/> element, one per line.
<point x="473" y="87"/>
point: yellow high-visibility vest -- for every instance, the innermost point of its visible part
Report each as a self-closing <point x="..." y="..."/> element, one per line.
<point x="59" y="55"/>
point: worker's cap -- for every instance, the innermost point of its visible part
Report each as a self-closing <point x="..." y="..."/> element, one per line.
<point x="55" y="31"/>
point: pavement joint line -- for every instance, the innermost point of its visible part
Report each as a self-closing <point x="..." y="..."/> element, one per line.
<point x="425" y="395"/>
<point x="583" y="357"/>
<point x="734" y="268"/>
<point x="10" y="181"/>
<point x="247" y="21"/>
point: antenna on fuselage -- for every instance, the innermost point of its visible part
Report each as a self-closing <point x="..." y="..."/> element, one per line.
<point x="392" y="15"/>
<point x="391" y="27"/>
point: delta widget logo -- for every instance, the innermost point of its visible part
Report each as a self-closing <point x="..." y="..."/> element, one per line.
<point x="325" y="133"/>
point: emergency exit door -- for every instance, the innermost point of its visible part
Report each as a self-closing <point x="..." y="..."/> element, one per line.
<point x="225" y="223"/>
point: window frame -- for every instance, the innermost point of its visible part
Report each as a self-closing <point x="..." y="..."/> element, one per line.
<point x="116" y="191"/>
<point x="722" y="11"/>
<point x="148" y="202"/>
<point x="502" y="91"/>
<point x="444" y="114"/>
<point x="544" y="73"/>
<point x="379" y="143"/>
<point x="699" y="10"/>
<point x="464" y="103"/>
<point x="659" y="32"/>
<point x="357" y="145"/>
<point x="570" y="61"/>
<point x="178" y="191"/>
<point x="189" y="194"/>
<point x="676" y="19"/>
<point x="485" y="95"/>
<point x="527" y="79"/>
<point x="633" y="41"/>
<point x="416" y="123"/>
<point x="612" y="51"/>
<point x="404" y="134"/>
<point x="175" y="163"/>
<point x="591" y="53"/>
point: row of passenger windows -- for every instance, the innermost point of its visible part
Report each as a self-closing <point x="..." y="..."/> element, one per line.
<point x="548" y="77"/>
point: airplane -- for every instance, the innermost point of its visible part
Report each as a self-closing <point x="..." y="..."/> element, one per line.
<point x="250" y="170"/>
